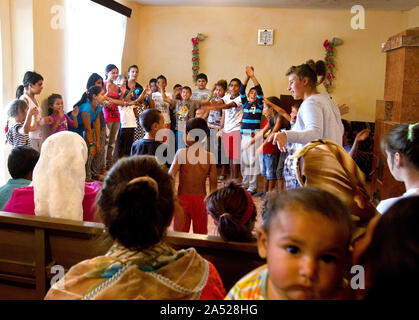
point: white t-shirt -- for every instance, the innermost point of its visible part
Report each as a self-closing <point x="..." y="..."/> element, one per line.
<point x="233" y="116"/>
<point x="384" y="205"/>
<point x="199" y="94"/>
<point x="318" y="118"/>
<point x="162" y="106"/>
<point x="37" y="134"/>
<point x="127" y="117"/>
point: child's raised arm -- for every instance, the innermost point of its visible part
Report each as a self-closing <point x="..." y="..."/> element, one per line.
<point x="27" y="125"/>
<point x="281" y="111"/>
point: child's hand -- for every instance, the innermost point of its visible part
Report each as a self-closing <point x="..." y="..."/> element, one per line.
<point x="247" y="146"/>
<point x="93" y="151"/>
<point x="33" y="110"/>
<point x="250" y="71"/>
<point x="75" y="112"/>
<point x="148" y="90"/>
<point x="219" y="134"/>
<point x="259" y="150"/>
<point x="362" y="135"/>
<point x="343" y="108"/>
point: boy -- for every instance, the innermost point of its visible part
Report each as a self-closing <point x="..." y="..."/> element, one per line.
<point x="194" y="165"/>
<point x="252" y="114"/>
<point x="305" y="237"/>
<point x="161" y="105"/>
<point x="21" y="162"/>
<point x="152" y="121"/>
<point x="185" y="109"/>
<point x="202" y="92"/>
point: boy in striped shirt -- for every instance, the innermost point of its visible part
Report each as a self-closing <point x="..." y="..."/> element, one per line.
<point x="252" y="114"/>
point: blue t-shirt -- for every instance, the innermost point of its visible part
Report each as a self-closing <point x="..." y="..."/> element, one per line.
<point x="85" y="107"/>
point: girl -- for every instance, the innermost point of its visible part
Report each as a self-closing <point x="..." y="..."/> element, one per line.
<point x="305" y="238"/>
<point x="234" y="213"/>
<point x="136" y="204"/>
<point x="32" y="86"/>
<point x="401" y="146"/>
<point x="89" y="124"/>
<point x="59" y="121"/>
<point x="58" y="189"/>
<point x="318" y="117"/>
<point x="18" y="133"/>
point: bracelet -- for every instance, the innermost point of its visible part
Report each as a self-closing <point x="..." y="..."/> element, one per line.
<point x="209" y="96"/>
<point x="92" y="145"/>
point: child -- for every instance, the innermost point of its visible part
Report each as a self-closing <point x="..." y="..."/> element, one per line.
<point x="21" y="162"/>
<point x="391" y="259"/>
<point x="152" y="121"/>
<point x="160" y="104"/>
<point x="401" y="146"/>
<point x="202" y="92"/>
<point x="32" y="86"/>
<point x="233" y="211"/>
<point x="58" y="119"/>
<point x="305" y="238"/>
<point x="18" y="133"/>
<point x="252" y="114"/>
<point x="185" y="109"/>
<point x="194" y="165"/>
<point x="153" y="85"/>
<point x="136" y="204"/>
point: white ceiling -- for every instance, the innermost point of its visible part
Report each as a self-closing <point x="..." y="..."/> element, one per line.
<point x="299" y="4"/>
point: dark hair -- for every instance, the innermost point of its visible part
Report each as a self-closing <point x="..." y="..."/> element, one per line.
<point x="222" y="84"/>
<point x="22" y="161"/>
<point x="15" y="106"/>
<point x="187" y="88"/>
<point x="391" y="260"/>
<point x="177" y="86"/>
<point x="152" y="80"/>
<point x="311" y="199"/>
<point x="162" y="77"/>
<point x="134" y="66"/>
<point x="227" y="206"/>
<point x="93" y="91"/>
<point x="137" y="214"/>
<point x="51" y="100"/>
<point x="108" y="69"/>
<point x="403" y="139"/>
<point x="29" y="78"/>
<point x="311" y="70"/>
<point x="202" y="76"/>
<point x="148" y="117"/>
<point x="197" y="123"/>
<point x="94" y="77"/>
<point x="236" y="80"/>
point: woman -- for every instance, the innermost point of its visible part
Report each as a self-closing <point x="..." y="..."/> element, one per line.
<point x="58" y="189"/>
<point x="136" y="205"/>
<point x="318" y="117"/>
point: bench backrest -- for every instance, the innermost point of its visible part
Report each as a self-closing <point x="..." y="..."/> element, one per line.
<point x="30" y="246"/>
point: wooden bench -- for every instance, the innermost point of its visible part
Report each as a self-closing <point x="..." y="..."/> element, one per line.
<point x="30" y="246"/>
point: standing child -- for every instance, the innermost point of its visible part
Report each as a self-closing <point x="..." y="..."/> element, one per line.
<point x="202" y="92"/>
<point x="401" y="146"/>
<point x="194" y="165"/>
<point x="18" y="133"/>
<point x="160" y="104"/>
<point x="58" y="119"/>
<point x="305" y="238"/>
<point x="32" y="86"/>
<point x="234" y="213"/>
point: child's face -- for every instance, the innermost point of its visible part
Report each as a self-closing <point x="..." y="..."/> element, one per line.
<point x="100" y="98"/>
<point x="306" y="255"/>
<point x="186" y="94"/>
<point x="267" y="111"/>
<point x="219" y="92"/>
<point x="234" y="88"/>
<point x="58" y="105"/>
<point x="37" y="87"/>
<point x="200" y="113"/>
<point x="252" y="95"/>
<point x="296" y="86"/>
<point x="113" y="74"/>
<point x="177" y="93"/>
<point x="294" y="112"/>
<point x="133" y="74"/>
<point x="122" y="82"/>
<point x="99" y="83"/>
<point x="161" y="83"/>
<point x="153" y="87"/>
<point x="201" y="84"/>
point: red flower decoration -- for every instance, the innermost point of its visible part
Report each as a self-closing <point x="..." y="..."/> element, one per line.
<point x="326" y="43"/>
<point x="195" y="68"/>
<point x="195" y="51"/>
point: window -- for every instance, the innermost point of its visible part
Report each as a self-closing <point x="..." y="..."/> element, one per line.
<point x="95" y="37"/>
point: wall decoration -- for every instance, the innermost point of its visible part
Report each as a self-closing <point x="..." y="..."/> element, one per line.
<point x="195" y="55"/>
<point x="330" y="62"/>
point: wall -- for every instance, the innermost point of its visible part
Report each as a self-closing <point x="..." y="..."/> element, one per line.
<point x="6" y="53"/>
<point x="299" y="35"/>
<point x="413" y="18"/>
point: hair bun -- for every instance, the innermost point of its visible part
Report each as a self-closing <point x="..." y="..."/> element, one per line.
<point x="138" y="191"/>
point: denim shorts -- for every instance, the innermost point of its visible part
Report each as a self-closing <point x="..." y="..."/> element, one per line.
<point x="269" y="164"/>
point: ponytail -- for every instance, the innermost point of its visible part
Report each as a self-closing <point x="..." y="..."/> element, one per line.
<point x="311" y="70"/>
<point x="29" y="78"/>
<point x="20" y="91"/>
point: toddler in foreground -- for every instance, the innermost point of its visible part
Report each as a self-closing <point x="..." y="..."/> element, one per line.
<point x="305" y="238"/>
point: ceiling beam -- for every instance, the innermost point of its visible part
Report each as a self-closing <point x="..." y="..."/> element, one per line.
<point x="115" y="6"/>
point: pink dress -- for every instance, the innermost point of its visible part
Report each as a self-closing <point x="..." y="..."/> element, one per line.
<point x="22" y="201"/>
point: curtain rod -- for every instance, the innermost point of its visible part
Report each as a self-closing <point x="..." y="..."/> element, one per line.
<point x="115" y="6"/>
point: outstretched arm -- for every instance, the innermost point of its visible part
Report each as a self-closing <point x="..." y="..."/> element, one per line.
<point x="281" y="111"/>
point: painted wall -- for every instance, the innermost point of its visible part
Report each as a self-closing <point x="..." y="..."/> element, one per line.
<point x="299" y="35"/>
<point x="413" y="18"/>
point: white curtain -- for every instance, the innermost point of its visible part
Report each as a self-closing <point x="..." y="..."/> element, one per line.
<point x="95" y="37"/>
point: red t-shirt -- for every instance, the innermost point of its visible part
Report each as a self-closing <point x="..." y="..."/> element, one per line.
<point x="269" y="148"/>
